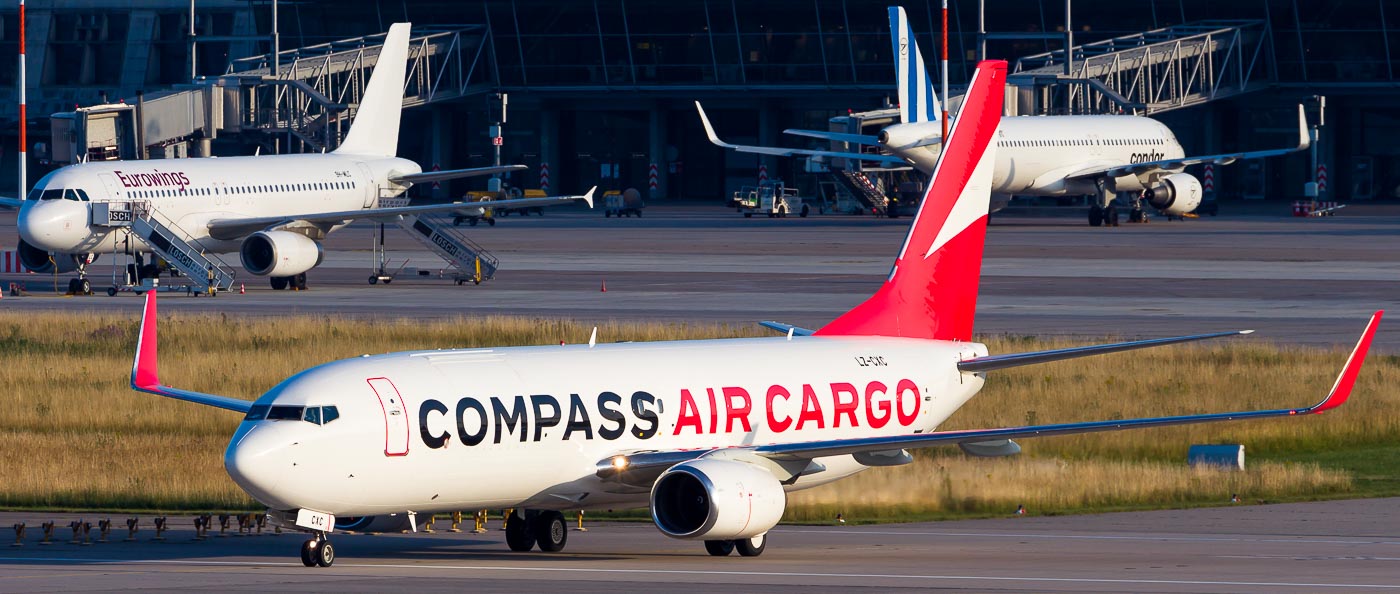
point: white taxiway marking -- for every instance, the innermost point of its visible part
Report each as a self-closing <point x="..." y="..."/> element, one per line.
<point x="699" y="572"/>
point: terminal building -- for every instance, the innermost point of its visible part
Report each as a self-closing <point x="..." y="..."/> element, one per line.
<point x="602" y="92"/>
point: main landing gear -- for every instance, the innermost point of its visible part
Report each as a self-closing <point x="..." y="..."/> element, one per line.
<point x="546" y="529"/>
<point x="317" y="551"/>
<point x="747" y="547"/>
<point x="295" y="282"/>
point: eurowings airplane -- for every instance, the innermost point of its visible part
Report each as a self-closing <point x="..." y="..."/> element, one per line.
<point x="711" y="448"/>
<point x="273" y="210"/>
<point x="1098" y="155"/>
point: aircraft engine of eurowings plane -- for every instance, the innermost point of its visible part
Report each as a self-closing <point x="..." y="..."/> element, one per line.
<point x="272" y="209"/>
<point x="1099" y="155"/>
<point x="710" y="447"/>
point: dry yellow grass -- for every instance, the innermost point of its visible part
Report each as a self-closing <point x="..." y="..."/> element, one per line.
<point x="74" y="435"/>
<point x="951" y="484"/>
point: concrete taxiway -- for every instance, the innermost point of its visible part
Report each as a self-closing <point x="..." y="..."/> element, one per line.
<point x="1310" y="281"/>
<point x="1343" y="546"/>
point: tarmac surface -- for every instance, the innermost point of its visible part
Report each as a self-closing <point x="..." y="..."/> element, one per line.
<point x="1303" y="281"/>
<point x="1340" y="546"/>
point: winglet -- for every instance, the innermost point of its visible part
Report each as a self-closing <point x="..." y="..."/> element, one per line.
<point x="589" y="196"/>
<point x="1304" y="139"/>
<point x="144" y="370"/>
<point x="1342" y="389"/>
<point x="709" y="129"/>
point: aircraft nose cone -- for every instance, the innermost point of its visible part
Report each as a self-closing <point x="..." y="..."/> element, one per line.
<point x="54" y="225"/>
<point x="255" y="462"/>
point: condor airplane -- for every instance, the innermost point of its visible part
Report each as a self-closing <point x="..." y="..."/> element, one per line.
<point x="273" y="210"/>
<point x="711" y="448"/>
<point x="1098" y="155"/>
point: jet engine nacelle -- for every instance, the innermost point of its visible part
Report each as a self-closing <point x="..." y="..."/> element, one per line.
<point x="279" y="253"/>
<point x="394" y="523"/>
<point x="714" y="499"/>
<point x="38" y="261"/>
<point x="1175" y="194"/>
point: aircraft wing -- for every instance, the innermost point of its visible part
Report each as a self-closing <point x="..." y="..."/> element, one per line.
<point x="145" y="375"/>
<point x="790" y="152"/>
<point x="836" y="136"/>
<point x="7" y="202"/>
<point x="433" y="176"/>
<point x="233" y="228"/>
<point x="1304" y="142"/>
<point x="641" y="468"/>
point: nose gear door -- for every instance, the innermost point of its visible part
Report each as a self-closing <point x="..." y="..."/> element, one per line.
<point x="395" y="416"/>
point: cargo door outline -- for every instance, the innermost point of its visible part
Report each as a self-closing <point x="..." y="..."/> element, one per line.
<point x="396" y="431"/>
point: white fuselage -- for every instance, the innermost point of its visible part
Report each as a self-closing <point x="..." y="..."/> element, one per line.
<point x="438" y="430"/>
<point x="1035" y="153"/>
<point x="188" y="193"/>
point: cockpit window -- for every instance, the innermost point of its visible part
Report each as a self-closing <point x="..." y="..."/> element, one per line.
<point x="51" y="195"/>
<point x="257" y="413"/>
<point x="285" y="413"/>
<point x="319" y="415"/>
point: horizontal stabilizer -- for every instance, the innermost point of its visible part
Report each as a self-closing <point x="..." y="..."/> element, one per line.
<point x="434" y="176"/>
<point x="994" y="362"/>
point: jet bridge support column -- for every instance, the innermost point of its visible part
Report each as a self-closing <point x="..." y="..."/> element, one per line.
<point x="657" y="149"/>
<point x="440" y="146"/>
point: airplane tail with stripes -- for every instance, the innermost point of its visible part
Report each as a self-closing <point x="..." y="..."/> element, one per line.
<point x="917" y="101"/>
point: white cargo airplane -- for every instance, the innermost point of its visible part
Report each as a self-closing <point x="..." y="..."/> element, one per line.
<point x="712" y="448"/>
<point x="1100" y="155"/>
<point x="273" y="210"/>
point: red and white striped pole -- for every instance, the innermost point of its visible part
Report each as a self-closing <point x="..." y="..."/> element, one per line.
<point x="945" y="72"/>
<point x="23" y="119"/>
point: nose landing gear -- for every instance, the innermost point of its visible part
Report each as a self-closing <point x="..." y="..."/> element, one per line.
<point x="317" y="551"/>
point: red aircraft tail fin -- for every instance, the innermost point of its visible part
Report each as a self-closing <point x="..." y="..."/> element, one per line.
<point x="932" y="289"/>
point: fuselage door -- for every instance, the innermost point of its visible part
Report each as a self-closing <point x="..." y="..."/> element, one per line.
<point x="110" y="183"/>
<point x="395" y="416"/>
<point x="371" y="186"/>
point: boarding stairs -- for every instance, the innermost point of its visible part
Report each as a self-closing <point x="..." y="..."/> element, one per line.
<point x="471" y="261"/>
<point x="167" y="241"/>
<point x="1149" y="72"/>
<point x="860" y="184"/>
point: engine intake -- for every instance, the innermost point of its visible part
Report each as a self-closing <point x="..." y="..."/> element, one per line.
<point x="38" y="261"/>
<point x="1175" y="194"/>
<point x="715" y="499"/>
<point x="279" y="253"/>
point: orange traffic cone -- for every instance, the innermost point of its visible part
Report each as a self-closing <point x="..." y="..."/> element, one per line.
<point x="605" y="286"/>
<point x="242" y="290"/>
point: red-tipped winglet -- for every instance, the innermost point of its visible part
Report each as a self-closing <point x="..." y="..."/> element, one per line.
<point x="1342" y="389"/>
<point x="145" y="376"/>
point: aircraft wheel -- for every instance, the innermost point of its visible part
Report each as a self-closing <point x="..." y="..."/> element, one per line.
<point x="719" y="548"/>
<point x="278" y="282"/>
<point x="72" y="286"/>
<point x="306" y="558"/>
<point x="805" y="210"/>
<point x="639" y="213"/>
<point x="1095" y="216"/>
<point x="84" y="286"/>
<point x="518" y="535"/>
<point x="1110" y="216"/>
<point x="607" y="214"/>
<point x="324" y="553"/>
<point x="551" y="532"/>
<point x="373" y="279"/>
<point x="752" y="547"/>
<point x="299" y="282"/>
<point x="111" y="291"/>
<point x="491" y="222"/>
